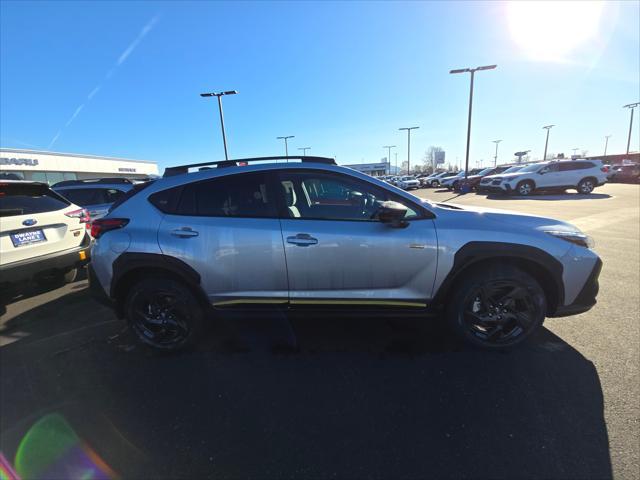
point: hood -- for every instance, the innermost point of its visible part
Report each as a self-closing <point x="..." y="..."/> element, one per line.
<point x="512" y="218"/>
<point x="506" y="175"/>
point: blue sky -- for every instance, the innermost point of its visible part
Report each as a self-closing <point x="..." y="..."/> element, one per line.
<point x="122" y="79"/>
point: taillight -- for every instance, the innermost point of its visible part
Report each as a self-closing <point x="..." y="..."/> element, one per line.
<point x="102" y="225"/>
<point x="605" y="169"/>
<point x="81" y="214"/>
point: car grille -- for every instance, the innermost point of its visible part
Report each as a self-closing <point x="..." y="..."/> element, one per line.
<point x="496" y="182"/>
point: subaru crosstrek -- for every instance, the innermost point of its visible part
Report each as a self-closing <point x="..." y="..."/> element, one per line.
<point x="312" y="234"/>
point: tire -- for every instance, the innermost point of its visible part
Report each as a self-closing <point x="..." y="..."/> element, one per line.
<point x="71" y="275"/>
<point x="455" y="185"/>
<point x="56" y="279"/>
<point x="586" y="186"/>
<point x="496" y="307"/>
<point x="164" y="314"/>
<point x="525" y="188"/>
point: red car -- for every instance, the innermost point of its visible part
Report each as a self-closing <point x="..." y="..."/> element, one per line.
<point x="625" y="174"/>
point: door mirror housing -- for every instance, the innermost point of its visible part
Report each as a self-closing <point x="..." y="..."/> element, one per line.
<point x="393" y="213"/>
<point x="544" y="170"/>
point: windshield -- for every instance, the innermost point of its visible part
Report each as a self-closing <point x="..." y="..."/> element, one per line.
<point x="534" y="167"/>
<point x="486" y="171"/>
<point x="513" y="169"/>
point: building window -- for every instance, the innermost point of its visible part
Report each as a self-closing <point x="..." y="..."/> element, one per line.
<point x="52" y="177"/>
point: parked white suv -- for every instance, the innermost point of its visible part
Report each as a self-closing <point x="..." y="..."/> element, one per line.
<point x="582" y="175"/>
<point x="408" y="182"/>
<point x="43" y="236"/>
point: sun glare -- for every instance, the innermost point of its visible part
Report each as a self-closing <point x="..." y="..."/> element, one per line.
<point x="552" y="30"/>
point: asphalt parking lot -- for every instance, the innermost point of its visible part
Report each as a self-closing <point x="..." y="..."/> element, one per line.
<point x="367" y="398"/>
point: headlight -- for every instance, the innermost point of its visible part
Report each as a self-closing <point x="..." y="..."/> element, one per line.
<point x="578" y="238"/>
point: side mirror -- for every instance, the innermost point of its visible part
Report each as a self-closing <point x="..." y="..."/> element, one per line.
<point x="543" y="171"/>
<point x="393" y="213"/>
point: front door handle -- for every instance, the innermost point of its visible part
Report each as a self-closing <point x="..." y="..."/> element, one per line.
<point x="184" y="232"/>
<point x="302" y="240"/>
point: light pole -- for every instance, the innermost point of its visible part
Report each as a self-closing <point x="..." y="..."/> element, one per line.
<point x="495" y="158"/>
<point x="304" y="150"/>
<point x="408" y="129"/>
<point x="219" y="95"/>
<point x="546" y="142"/>
<point x="606" y="144"/>
<point x="472" y="71"/>
<point x="632" y="107"/>
<point x="286" y="145"/>
<point x="396" y="154"/>
<point x="389" y="147"/>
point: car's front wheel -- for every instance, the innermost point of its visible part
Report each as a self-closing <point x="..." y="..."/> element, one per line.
<point x="163" y="314"/>
<point x="496" y="308"/>
<point x="525" y="188"/>
<point x="586" y="186"/>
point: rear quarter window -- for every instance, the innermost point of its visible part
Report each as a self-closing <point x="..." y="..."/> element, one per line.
<point x="28" y="199"/>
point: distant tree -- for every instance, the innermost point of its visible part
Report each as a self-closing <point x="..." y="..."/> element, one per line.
<point x="430" y="156"/>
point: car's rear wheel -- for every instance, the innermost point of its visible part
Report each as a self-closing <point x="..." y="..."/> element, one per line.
<point x="496" y="309"/>
<point x="525" y="188"/>
<point x="164" y="314"/>
<point x="586" y="186"/>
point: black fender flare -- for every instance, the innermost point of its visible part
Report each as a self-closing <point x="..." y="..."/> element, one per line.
<point x="473" y="253"/>
<point x="131" y="262"/>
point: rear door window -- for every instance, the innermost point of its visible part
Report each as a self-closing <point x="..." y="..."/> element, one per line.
<point x="27" y="199"/>
<point x="242" y="195"/>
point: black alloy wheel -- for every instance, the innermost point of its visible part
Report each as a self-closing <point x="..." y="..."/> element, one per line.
<point x="163" y="314"/>
<point x="498" y="309"/>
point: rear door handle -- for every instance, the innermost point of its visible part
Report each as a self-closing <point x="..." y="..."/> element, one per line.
<point x="302" y="240"/>
<point x="184" y="232"/>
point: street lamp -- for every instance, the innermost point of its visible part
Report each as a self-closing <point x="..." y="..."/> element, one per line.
<point x="219" y="95"/>
<point x="632" y="107"/>
<point x="286" y="146"/>
<point x="304" y="150"/>
<point x="495" y="158"/>
<point x="472" y="71"/>
<point x="408" y="129"/>
<point x="546" y="143"/>
<point x="606" y="144"/>
<point x="389" y="147"/>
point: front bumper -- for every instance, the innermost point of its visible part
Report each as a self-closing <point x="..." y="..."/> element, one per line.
<point x="62" y="261"/>
<point x="586" y="299"/>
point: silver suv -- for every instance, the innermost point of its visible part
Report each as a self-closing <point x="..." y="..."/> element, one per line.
<point x="96" y="194"/>
<point x="310" y="234"/>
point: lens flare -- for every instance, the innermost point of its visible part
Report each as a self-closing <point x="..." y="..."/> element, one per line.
<point x="51" y="449"/>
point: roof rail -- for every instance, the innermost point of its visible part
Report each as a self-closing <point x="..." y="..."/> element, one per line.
<point x="85" y="181"/>
<point x="180" y="169"/>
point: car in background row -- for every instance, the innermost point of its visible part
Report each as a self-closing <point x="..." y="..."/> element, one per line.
<point x="484" y="184"/>
<point x="433" y="180"/>
<point x="43" y="236"/>
<point x="624" y="174"/>
<point x="408" y="182"/>
<point x="473" y="181"/>
<point x="451" y="182"/>
<point x="583" y="175"/>
<point x="96" y="194"/>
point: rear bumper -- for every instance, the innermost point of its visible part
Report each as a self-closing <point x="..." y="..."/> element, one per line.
<point x="97" y="292"/>
<point x="586" y="299"/>
<point x="62" y="261"/>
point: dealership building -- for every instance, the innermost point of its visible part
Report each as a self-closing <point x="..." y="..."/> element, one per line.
<point x="53" y="167"/>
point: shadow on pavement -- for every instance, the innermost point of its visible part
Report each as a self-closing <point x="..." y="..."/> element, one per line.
<point x="368" y="398"/>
